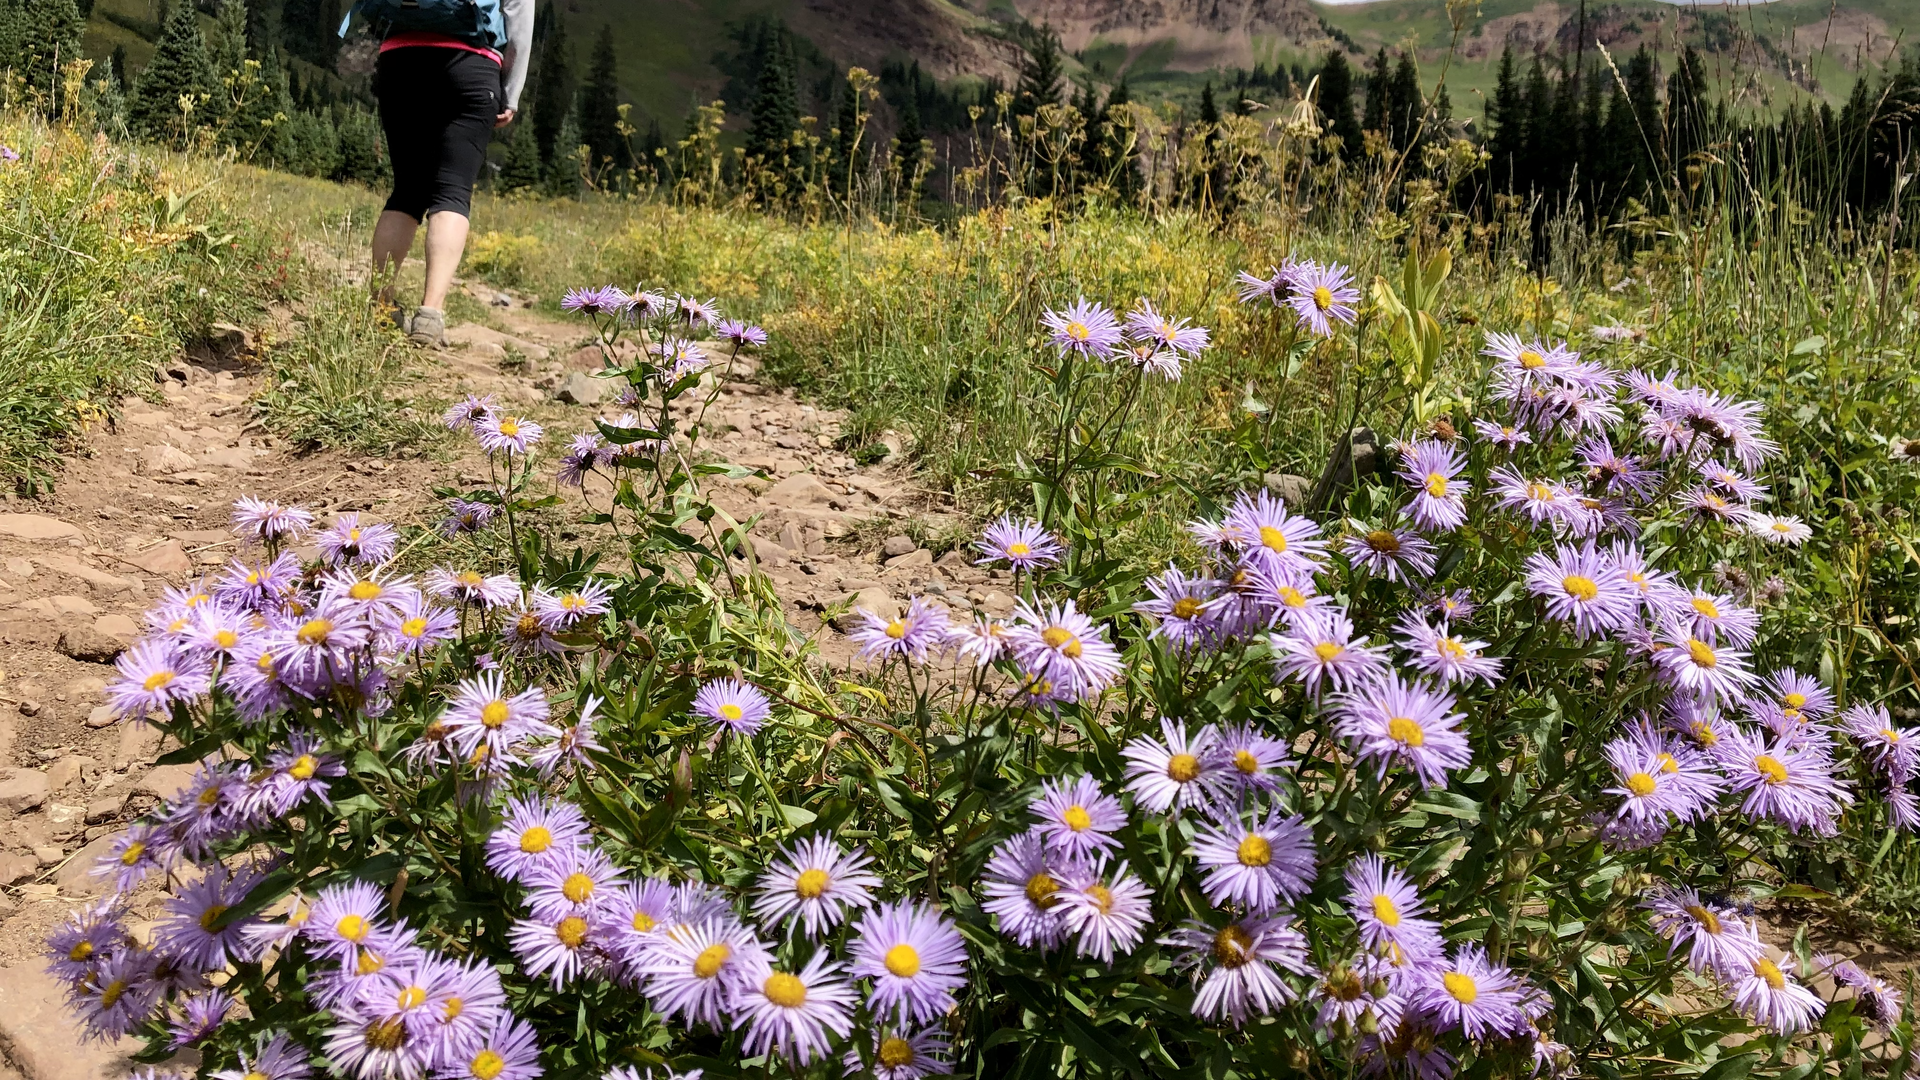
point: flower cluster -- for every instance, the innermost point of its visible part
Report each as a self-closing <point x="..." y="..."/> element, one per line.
<point x="1319" y="294"/>
<point x="1154" y="342"/>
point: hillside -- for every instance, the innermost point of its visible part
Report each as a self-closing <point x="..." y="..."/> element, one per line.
<point x="675" y="54"/>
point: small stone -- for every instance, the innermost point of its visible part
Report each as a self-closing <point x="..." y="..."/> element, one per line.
<point x="791" y="539"/>
<point x="104" y="807"/>
<point x="30" y="707"/>
<point x="77" y="877"/>
<point x="876" y="600"/>
<point x="165" y="781"/>
<point x="1289" y="488"/>
<point x="103" y="716"/>
<point x="66" y="771"/>
<point x="49" y="854"/>
<point x="164" y="460"/>
<point x="487" y="350"/>
<point x="120" y="627"/>
<point x="769" y="552"/>
<point x="580" y="388"/>
<point x="89" y="687"/>
<point x="167" y="560"/>
<point x="24" y="790"/>
<point x="86" y="643"/>
<point x="20" y="569"/>
<point x="896" y="545"/>
<point x="73" y="605"/>
<point x="36" y="527"/>
<point x="15" y="869"/>
<point x="912" y="560"/>
<point x="501" y="299"/>
<point x="139" y="744"/>
<point x="800" y="490"/>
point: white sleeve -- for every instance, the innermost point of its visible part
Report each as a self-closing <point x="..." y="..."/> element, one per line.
<point x="519" y="51"/>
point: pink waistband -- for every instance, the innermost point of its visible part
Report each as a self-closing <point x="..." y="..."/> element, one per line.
<point x="412" y="38"/>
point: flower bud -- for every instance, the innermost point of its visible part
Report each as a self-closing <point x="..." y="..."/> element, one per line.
<point x="1379" y="989"/>
<point x="1298" y="1058"/>
<point x="1369" y="1023"/>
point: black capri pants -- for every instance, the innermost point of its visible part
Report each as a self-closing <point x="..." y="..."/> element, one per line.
<point x="437" y="106"/>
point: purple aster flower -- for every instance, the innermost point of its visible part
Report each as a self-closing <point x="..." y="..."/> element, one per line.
<point x="298" y="772"/>
<point x="574" y="882"/>
<point x="472" y="587"/>
<point x="535" y="834"/>
<point x="567" y="609"/>
<point x="1773" y="999"/>
<point x="1640" y="779"/>
<point x="792" y="1013"/>
<point x="562" y="948"/>
<point x="733" y="705"/>
<point x="117" y="997"/>
<point x="275" y="1057"/>
<point x="1434" y="469"/>
<point x="260" y="587"/>
<point x="1076" y="818"/>
<point x="1248" y="760"/>
<point x="1541" y="501"/>
<point x="1793" y="785"/>
<point x="694" y="973"/>
<point x="1438" y="652"/>
<point x="1709" y="505"/>
<point x="1357" y="994"/>
<point x="265" y="521"/>
<point x="1527" y="362"/>
<point x="192" y="932"/>
<point x="468" y="413"/>
<point x="902" y="1055"/>
<point x="500" y="433"/>
<point x="1395" y="721"/>
<point x="1180" y="607"/>
<point x="1451" y="607"/>
<point x="814" y="884"/>
<point x="980" y="640"/>
<point x="739" y="334"/>
<point x="1700" y="667"/>
<point x="1713" y="618"/>
<point x="1610" y="472"/>
<point x="1583" y="587"/>
<point x="915" y="957"/>
<point x="466" y="517"/>
<point x="482" y="713"/>
<point x="1177" y="773"/>
<point x="1894" y="751"/>
<point x="1105" y="913"/>
<point x="1394" y="554"/>
<point x="366" y="593"/>
<point x="153" y="678"/>
<point x="1273" y="539"/>
<point x="679" y="358"/>
<point x="345" y="918"/>
<point x="1506" y="438"/>
<point x="1874" y="998"/>
<point x="1237" y="967"/>
<point x="89" y="935"/>
<point x="1064" y="647"/>
<point x="571" y="744"/>
<point x="135" y="853"/>
<point x="1148" y="326"/>
<point x="1322" y="294"/>
<point x="1022" y="882"/>
<point x="1083" y="328"/>
<point x="1019" y="542"/>
<point x="416" y="625"/>
<point x="1717" y="940"/>
<point x="1257" y="865"/>
<point x="1389" y="911"/>
<point x="1777" y="528"/>
<point x="507" y="1050"/>
<point x="645" y="305"/>
<point x="201" y="1015"/>
<point x="1321" y="648"/>
<point x="694" y="312"/>
<point x="1254" y="288"/>
<point x="595" y="300"/>
<point x="1283" y="596"/>
<point x="369" y="1041"/>
<point x="1471" y="993"/>
<point x="909" y="636"/>
<point x="580" y="457"/>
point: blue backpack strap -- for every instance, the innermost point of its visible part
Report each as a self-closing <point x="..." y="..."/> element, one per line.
<point x="347" y="19"/>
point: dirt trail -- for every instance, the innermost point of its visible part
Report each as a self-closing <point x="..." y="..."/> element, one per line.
<point x="146" y="506"/>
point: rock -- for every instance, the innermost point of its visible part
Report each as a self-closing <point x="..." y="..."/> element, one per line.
<point x="164" y="460"/>
<point x="580" y="388"/>
<point x="120" y="627"/>
<point x="954" y="559"/>
<point x="104" y="807"/>
<point x="586" y="358"/>
<point x="103" y="716"/>
<point x="77" y="877"/>
<point x="997" y="604"/>
<point x="800" y="490"/>
<point x="536" y="353"/>
<point x="99" y="579"/>
<point x="500" y="299"/>
<point x="23" y="791"/>
<point x="86" y="643"/>
<point x="487" y="350"/>
<point x="874" y="599"/>
<point x="769" y="552"/>
<point x="228" y="457"/>
<point x="791" y="539"/>
<point x="911" y="560"/>
<point x="139" y="743"/>
<point x="49" y="854"/>
<point x="15" y="869"/>
<point x="1290" y="489"/>
<point x="896" y="545"/>
<point x="87" y="688"/>
<point x="1353" y="459"/>
<point x="66" y="771"/>
<point x="473" y="334"/>
<point x="73" y="605"/>
<point x="28" y="626"/>
<point x="165" y="781"/>
<point x="36" y="527"/>
<point x="19" y="569"/>
<point x="167" y="560"/>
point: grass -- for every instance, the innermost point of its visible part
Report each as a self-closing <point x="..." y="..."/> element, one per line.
<point x="345" y="381"/>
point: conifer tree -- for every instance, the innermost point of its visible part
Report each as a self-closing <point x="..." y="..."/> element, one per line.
<point x="117" y="64"/>
<point x="849" y="155"/>
<point x="1336" y="102"/>
<point x="1405" y="110"/>
<point x="520" y="170"/>
<point x="1041" y="74"/>
<point x="227" y="50"/>
<point x="48" y="36"/>
<point x="180" y="71"/>
<point x="653" y="160"/>
<point x="1506" y="124"/>
<point x="255" y="127"/>
<point x="776" y="108"/>
<point x="600" y="107"/>
<point x="552" y="87"/>
<point x="1688" y="124"/>
<point x="363" y="156"/>
<point x="563" y="169"/>
<point x="1118" y="166"/>
<point x="1374" y="114"/>
<point x="907" y="141"/>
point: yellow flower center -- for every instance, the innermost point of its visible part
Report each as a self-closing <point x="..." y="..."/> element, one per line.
<point x="1452" y="648"/>
<point x="1461" y="987"/>
<point x="1640" y="784"/>
<point x="1102" y="896"/>
<point x="369" y="962"/>
<point x="1708" y="920"/>
<point x="1703" y="733"/>
<point x="1041" y="889"/>
<point x="1383" y="541"/>
<point x="1231" y="945"/>
<point x="453" y="1009"/>
<point x="1019" y="547"/>
<point x="1183" y="768"/>
<point x="157" y="680"/>
<point x="895" y="1052"/>
<point x="80" y="951"/>
<point x="1668" y="765"/>
<point x="1292" y="597"/>
<point x="1889" y="734"/>
<point x="225" y="638"/>
<point x="413" y="628"/>
<point x="1322" y="297"/>
<point x="256" y="1075"/>
<point x="111" y="993"/>
<point x="903" y="960"/>
<point x="1771" y="768"/>
<point x="577" y="888"/>
<point x="1780" y="527"/>
<point x="353" y="928"/>
<point x="386" y="1035"/>
<point x="1061" y="639"/>
<point x="1273" y="539"/>
<point x="509" y="426"/>
<point x="303" y="767"/>
<point x="712" y="959"/>
<point x="1254" y="851"/>
<point x="528" y="625"/>
<point x="314" y="632"/>
<point x="1436" y="485"/>
<point x="1187" y="607"/>
<point x="486" y="1065"/>
<point x="493" y="714"/>
<point x="784" y="990"/>
<point x="1539" y="492"/>
<point x="412" y="997"/>
<point x="1245" y="762"/>
<point x="811" y="883"/>
<point x="1706" y="607"/>
<point x="1580" y="588"/>
<point x="366" y="590"/>
<point x="1795" y="701"/>
<point x="1531" y="360"/>
<point x="1770" y="971"/>
<point x="896" y="629"/>
<point x="642" y="923"/>
<point x="536" y="839"/>
<point x="1077" y="818"/>
<point x="571" y="931"/>
<point x="1327" y="651"/>
<point x="1078" y="331"/>
<point x="731" y="711"/>
<point x="1406" y="731"/>
<point x="1702" y="653"/>
<point x="1385" y="911"/>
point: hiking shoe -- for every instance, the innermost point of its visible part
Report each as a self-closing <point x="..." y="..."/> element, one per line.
<point x="428" y="327"/>
<point x="398" y="314"/>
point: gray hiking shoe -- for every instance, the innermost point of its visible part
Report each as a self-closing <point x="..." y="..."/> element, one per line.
<point x="428" y="327"/>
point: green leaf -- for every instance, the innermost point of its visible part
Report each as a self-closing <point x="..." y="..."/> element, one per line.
<point x="1809" y="345"/>
<point x="1733" y="1068"/>
<point x="1451" y="804"/>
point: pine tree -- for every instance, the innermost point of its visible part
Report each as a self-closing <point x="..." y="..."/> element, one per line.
<point x="1688" y="125"/>
<point x="1374" y="114"/>
<point x="1212" y="193"/>
<point x="117" y="64"/>
<point x="228" y="51"/>
<point x="363" y="156"/>
<point x="179" y="71"/>
<point x="1643" y="98"/>
<point x="1336" y="102"/>
<point x="1506" y="125"/>
<point x="849" y="156"/>
<point x="1041" y="74"/>
<point x="563" y="170"/>
<point x="552" y="80"/>
<point x="907" y="143"/>
<point x="599" y="108"/>
<point x="1120" y="168"/>
<point x="1405" y="110"/>
<point x="776" y="107"/>
<point x="520" y="170"/>
<point x="255" y="127"/>
<point x="49" y="36"/>
<point x="1535" y="158"/>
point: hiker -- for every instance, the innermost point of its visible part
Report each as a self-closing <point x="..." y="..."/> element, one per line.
<point x="450" y="71"/>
